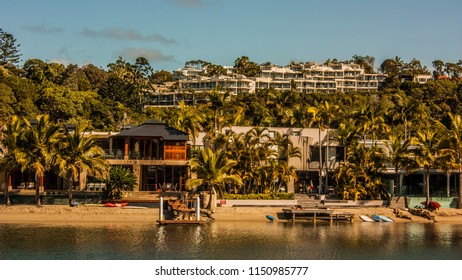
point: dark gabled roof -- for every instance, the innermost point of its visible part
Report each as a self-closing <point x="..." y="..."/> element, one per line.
<point x="154" y="128"/>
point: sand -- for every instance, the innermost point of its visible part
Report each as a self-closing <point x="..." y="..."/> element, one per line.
<point x="98" y="214"/>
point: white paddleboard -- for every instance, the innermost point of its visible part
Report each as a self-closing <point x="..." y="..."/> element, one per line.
<point x="366" y="218"/>
<point x="385" y="218"/>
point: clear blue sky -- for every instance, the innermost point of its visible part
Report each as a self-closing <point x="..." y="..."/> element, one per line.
<point x="171" y="32"/>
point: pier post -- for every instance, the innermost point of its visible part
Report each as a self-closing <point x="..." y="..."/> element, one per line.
<point x="198" y="209"/>
<point x="161" y="209"/>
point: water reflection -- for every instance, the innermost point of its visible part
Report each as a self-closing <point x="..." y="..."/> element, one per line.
<point x="233" y="240"/>
<point x="161" y="244"/>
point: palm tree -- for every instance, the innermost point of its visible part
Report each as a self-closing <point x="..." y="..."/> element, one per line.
<point x="406" y="111"/>
<point x="80" y="154"/>
<point x="347" y="178"/>
<point x="216" y="102"/>
<point x="259" y="142"/>
<point x="286" y="151"/>
<point x="376" y="124"/>
<point x="429" y="155"/>
<point x="10" y="148"/>
<point x="370" y="122"/>
<point x="282" y="104"/>
<point x="38" y="151"/>
<point x="454" y="139"/>
<point x="189" y="119"/>
<point x="323" y="115"/>
<point x="214" y="169"/>
<point x="346" y="135"/>
<point x="242" y="148"/>
<point x="283" y="173"/>
<point x="399" y="156"/>
<point x="360" y="175"/>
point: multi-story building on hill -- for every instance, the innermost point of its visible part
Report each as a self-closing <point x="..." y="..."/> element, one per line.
<point x="234" y="84"/>
<point x="303" y="78"/>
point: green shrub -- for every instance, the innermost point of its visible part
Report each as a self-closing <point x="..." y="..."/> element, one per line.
<point x="261" y="196"/>
<point x="120" y="179"/>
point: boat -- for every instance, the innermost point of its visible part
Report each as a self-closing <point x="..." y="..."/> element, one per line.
<point x="385" y="218"/>
<point x="376" y="218"/>
<point x="110" y="204"/>
<point x="269" y="217"/>
<point x="366" y="218"/>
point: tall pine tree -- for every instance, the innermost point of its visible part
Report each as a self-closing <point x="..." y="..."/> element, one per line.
<point x="9" y="52"/>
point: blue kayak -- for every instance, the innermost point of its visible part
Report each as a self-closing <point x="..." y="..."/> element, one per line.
<point x="269" y="217"/>
<point x="376" y="218"/>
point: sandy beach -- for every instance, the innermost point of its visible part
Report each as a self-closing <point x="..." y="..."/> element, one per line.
<point x="99" y="214"/>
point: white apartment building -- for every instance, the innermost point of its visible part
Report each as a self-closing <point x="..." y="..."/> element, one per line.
<point x="304" y="78"/>
<point x="235" y="85"/>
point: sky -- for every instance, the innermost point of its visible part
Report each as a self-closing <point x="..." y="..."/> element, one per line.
<point x="171" y="32"/>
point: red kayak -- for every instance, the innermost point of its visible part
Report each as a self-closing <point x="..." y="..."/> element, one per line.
<point x="109" y="204"/>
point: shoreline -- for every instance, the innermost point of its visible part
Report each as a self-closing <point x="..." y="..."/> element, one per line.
<point x="91" y="214"/>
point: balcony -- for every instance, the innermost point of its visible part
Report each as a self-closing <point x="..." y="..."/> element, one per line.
<point x="114" y="154"/>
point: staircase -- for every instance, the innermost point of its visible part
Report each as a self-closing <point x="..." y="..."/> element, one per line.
<point x="306" y="201"/>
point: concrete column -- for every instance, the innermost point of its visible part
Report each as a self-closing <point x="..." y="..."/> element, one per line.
<point x="291" y="186"/>
<point x="110" y="145"/>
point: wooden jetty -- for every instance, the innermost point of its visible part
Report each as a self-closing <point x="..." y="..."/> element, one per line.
<point x="182" y="214"/>
<point x="316" y="214"/>
<point x="181" y="222"/>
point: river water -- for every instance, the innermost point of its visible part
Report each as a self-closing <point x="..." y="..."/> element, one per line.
<point x="232" y="241"/>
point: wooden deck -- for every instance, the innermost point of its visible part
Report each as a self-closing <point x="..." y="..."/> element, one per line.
<point x="181" y="222"/>
<point x="181" y="214"/>
<point x="316" y="214"/>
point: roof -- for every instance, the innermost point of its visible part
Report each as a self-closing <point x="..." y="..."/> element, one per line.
<point x="154" y="128"/>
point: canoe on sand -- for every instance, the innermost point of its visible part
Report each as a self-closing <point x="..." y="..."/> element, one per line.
<point x="110" y="204"/>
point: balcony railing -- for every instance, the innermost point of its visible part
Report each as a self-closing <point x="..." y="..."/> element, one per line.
<point x="97" y="187"/>
<point x="114" y="154"/>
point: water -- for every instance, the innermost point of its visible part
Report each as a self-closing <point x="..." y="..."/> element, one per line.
<point x="232" y="240"/>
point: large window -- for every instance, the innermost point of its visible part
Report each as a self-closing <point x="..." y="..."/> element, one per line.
<point x="335" y="153"/>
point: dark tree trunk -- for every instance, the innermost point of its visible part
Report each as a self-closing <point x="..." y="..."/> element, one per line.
<point x="460" y="189"/>
<point x="37" y="192"/>
<point x="427" y="187"/>
<point x="69" y="194"/>
<point x="7" y="189"/>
